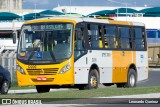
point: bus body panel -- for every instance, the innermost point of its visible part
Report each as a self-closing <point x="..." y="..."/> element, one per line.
<point x="142" y="65"/>
<point x="121" y="62"/>
<point x="81" y="70"/>
<point x="111" y="73"/>
<point x="102" y="58"/>
<point x="106" y="75"/>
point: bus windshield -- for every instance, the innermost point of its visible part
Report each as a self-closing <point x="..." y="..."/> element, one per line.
<point x="45" y="43"/>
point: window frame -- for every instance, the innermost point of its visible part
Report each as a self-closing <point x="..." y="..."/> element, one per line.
<point x="130" y="37"/>
<point x="80" y="25"/>
<point x="99" y="25"/>
<point x="103" y="25"/>
<point x="144" y="38"/>
<point x="116" y="36"/>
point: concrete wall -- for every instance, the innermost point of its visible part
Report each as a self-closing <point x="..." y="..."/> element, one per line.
<point x="14" y="25"/>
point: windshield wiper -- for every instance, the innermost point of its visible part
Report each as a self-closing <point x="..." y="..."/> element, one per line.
<point x="52" y="55"/>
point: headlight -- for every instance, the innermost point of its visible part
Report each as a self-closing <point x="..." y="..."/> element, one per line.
<point x="20" y="69"/>
<point x="65" y="68"/>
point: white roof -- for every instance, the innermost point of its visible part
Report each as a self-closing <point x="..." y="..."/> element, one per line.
<point x="85" y="10"/>
<point x="77" y="19"/>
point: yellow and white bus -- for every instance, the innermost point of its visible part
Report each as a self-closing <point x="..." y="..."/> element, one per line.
<point x="81" y="53"/>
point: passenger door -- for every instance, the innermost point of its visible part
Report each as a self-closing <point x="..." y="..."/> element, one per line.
<point x="79" y="41"/>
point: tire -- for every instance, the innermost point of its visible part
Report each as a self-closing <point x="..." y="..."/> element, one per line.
<point x="131" y="79"/>
<point x="5" y="87"/>
<point x="42" y="89"/>
<point x="93" y="79"/>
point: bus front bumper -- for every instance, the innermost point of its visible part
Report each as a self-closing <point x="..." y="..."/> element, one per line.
<point x="58" y="79"/>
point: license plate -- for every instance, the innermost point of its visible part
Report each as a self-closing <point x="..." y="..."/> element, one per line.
<point x="41" y="78"/>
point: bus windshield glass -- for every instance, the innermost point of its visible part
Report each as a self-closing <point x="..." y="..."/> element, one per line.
<point x="45" y="43"/>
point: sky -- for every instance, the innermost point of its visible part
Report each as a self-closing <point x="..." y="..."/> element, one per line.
<point x="50" y="4"/>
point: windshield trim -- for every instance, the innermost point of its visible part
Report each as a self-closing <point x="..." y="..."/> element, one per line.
<point x="49" y="61"/>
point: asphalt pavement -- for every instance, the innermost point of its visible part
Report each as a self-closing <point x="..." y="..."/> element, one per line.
<point x="153" y="79"/>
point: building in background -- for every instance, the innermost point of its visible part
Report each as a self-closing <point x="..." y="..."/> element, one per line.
<point x="12" y="16"/>
<point x="11" y="4"/>
<point x="85" y="10"/>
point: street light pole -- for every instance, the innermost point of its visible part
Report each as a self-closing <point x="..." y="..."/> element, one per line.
<point x="35" y="9"/>
<point x="117" y="12"/>
<point x="126" y="9"/>
<point x="135" y="4"/>
<point x="70" y="5"/>
<point x="117" y="8"/>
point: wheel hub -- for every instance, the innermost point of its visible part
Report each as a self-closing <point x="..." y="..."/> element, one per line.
<point x="132" y="80"/>
<point x="5" y="86"/>
<point x="93" y="81"/>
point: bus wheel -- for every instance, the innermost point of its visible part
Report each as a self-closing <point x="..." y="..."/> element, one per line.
<point x="132" y="79"/>
<point x="93" y="79"/>
<point x="42" y="88"/>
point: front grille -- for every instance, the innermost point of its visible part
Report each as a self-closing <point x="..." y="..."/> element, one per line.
<point x="45" y="71"/>
<point x="50" y="71"/>
<point x="34" y="71"/>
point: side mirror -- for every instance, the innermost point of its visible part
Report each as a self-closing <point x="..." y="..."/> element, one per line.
<point x="14" y="38"/>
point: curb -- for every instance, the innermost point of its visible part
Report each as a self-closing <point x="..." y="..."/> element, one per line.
<point x="151" y="95"/>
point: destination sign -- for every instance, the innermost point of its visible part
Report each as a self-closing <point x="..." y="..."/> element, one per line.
<point x="48" y="27"/>
<point x="43" y="27"/>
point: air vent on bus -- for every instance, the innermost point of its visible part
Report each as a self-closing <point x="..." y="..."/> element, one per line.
<point x="46" y="71"/>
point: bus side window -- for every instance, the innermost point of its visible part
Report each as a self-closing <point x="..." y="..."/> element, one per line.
<point x="95" y="40"/>
<point x="89" y="41"/>
<point x="100" y="37"/>
<point x="105" y="41"/>
<point x="110" y="36"/>
<point x="79" y="42"/>
<point x="93" y="36"/>
<point x="116" y="42"/>
<point x="139" y="38"/>
<point x="125" y="37"/>
<point x="100" y="42"/>
<point x="89" y="36"/>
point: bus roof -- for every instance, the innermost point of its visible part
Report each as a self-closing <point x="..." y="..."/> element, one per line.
<point x="83" y="19"/>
